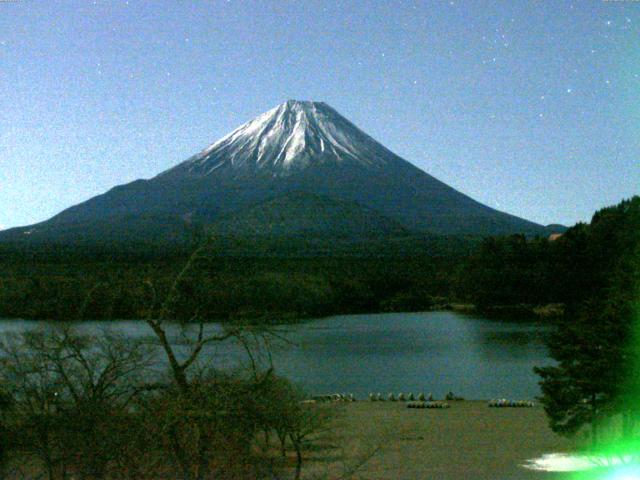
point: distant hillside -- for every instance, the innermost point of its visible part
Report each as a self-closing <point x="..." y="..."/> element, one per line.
<point x="300" y="214"/>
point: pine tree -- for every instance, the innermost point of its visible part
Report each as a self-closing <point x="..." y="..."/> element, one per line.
<point x="597" y="344"/>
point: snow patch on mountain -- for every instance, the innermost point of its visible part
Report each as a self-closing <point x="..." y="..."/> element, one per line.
<point x="289" y="137"/>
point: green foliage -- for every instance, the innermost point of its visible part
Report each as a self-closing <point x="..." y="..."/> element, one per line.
<point x="596" y="345"/>
<point x="226" y="283"/>
<point x="594" y="271"/>
<point x="579" y="265"/>
<point x="508" y="271"/>
<point x="581" y="388"/>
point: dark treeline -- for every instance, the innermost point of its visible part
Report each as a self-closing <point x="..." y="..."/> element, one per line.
<point x="578" y="265"/>
<point x="286" y="279"/>
<point x="595" y="381"/>
<point x="110" y="407"/>
<point x="231" y="279"/>
<point x="118" y="419"/>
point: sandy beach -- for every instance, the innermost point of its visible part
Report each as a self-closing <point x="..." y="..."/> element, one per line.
<point x="467" y="441"/>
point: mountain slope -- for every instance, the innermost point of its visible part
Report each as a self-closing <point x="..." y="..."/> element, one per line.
<point x="296" y="147"/>
<point x="291" y="137"/>
<point x="302" y="214"/>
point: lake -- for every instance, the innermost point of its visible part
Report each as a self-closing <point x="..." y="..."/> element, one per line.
<point x="426" y="352"/>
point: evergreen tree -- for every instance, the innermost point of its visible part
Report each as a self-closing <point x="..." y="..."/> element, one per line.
<point x="596" y="346"/>
<point x="580" y="390"/>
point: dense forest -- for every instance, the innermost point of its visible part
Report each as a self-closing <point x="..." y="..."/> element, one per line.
<point x="273" y="279"/>
<point x="230" y="279"/>
<point x="595" y="381"/>
<point x="576" y="266"/>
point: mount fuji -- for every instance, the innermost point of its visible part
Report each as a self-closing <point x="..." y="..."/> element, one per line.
<point x="300" y="169"/>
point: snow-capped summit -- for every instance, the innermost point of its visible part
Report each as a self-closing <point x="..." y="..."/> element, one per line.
<point x="291" y="136"/>
<point x="297" y="169"/>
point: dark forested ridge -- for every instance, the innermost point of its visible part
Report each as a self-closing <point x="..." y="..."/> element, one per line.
<point x="576" y="266"/>
<point x="233" y="277"/>
<point x="281" y="278"/>
<point x="148" y="428"/>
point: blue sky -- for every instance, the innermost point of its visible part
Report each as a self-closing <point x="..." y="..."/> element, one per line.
<point x="530" y="107"/>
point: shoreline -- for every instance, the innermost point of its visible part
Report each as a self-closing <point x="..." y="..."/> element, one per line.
<point x="506" y="313"/>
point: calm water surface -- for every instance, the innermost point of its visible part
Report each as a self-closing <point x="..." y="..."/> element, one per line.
<point x="397" y="352"/>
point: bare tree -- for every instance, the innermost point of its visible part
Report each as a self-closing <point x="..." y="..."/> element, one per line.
<point x="72" y="394"/>
<point x="28" y="375"/>
<point x="159" y="315"/>
<point x="191" y="426"/>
